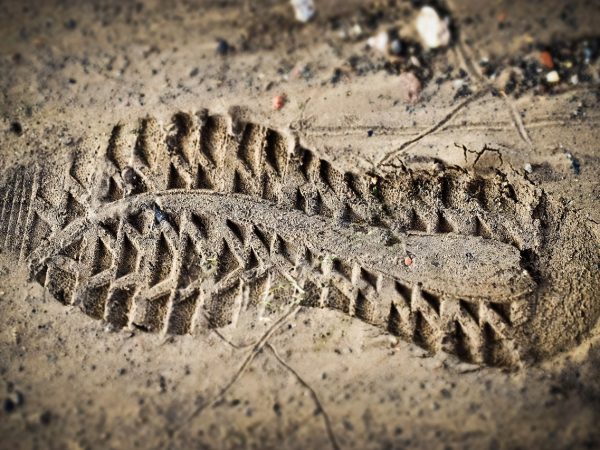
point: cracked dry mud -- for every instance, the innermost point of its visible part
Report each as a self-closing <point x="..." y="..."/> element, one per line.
<point x="328" y="274"/>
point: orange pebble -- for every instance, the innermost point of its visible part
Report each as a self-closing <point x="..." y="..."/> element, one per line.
<point x="408" y="261"/>
<point x="279" y="101"/>
<point x="501" y="17"/>
<point x="546" y="59"/>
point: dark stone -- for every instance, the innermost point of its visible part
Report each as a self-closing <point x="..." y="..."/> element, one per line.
<point x="9" y="405"/>
<point x="223" y="47"/>
<point x="46" y="418"/>
<point x="16" y="128"/>
<point x="71" y="24"/>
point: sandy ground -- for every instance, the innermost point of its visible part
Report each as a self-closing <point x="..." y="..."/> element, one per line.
<point x="309" y="378"/>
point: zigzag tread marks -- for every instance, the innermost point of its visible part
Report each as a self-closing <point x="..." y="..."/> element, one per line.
<point x="164" y="272"/>
<point x="457" y="328"/>
<point x="200" y="153"/>
<point x="164" y="277"/>
<point x="31" y="210"/>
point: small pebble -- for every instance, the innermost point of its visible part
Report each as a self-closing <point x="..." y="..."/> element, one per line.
<point x="379" y="42"/>
<point x="9" y="405"/>
<point x="396" y="47"/>
<point x="433" y="30"/>
<point x="587" y="55"/>
<point x="337" y="75"/>
<point x="71" y="24"/>
<point x="552" y="77"/>
<point x="279" y="101"/>
<point x="528" y="168"/>
<point x="410" y="87"/>
<point x="408" y="261"/>
<point x="46" y="417"/>
<point x="575" y="164"/>
<point x="16" y="128"/>
<point x="223" y="47"/>
<point x="159" y="215"/>
<point x="304" y="10"/>
<point x="129" y="176"/>
<point x="356" y="30"/>
<point x="546" y="60"/>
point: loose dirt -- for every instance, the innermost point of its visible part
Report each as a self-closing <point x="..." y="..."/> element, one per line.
<point x="366" y="265"/>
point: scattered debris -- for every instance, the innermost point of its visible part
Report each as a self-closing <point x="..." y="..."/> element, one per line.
<point x="301" y="71"/>
<point x="433" y="30"/>
<point x="279" y="101"/>
<point x="410" y="87"/>
<point x="387" y="42"/>
<point x="544" y="68"/>
<point x="394" y="52"/>
<point x="579" y="110"/>
<point x="464" y="90"/>
<point x="350" y="32"/>
<point x="303" y="9"/>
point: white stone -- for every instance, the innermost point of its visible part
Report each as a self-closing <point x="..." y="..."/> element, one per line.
<point x="552" y="77"/>
<point x="356" y="30"/>
<point x="528" y="168"/>
<point x="433" y="30"/>
<point x="303" y="9"/>
<point x="458" y="83"/>
<point x="415" y="61"/>
<point x="379" y="41"/>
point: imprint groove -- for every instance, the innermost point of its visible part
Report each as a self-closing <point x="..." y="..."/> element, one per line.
<point x="190" y="225"/>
